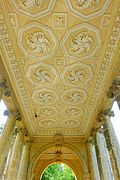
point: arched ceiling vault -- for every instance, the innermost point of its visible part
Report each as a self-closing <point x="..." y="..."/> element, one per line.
<point x="59" y="57"/>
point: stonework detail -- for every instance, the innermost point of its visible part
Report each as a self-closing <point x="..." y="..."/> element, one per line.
<point x="31" y="3"/>
<point x="70" y="123"/>
<point x="38" y="42"/>
<point x="76" y="76"/>
<point x="81" y="43"/>
<point x="83" y="4"/>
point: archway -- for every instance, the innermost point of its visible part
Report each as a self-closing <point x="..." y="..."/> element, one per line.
<point x="54" y="154"/>
<point x="58" y="171"/>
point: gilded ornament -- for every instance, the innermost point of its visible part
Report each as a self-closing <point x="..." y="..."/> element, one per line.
<point x="81" y="43"/>
<point x="38" y="42"/>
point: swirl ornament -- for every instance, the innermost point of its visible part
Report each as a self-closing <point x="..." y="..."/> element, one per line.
<point x="84" y="4"/>
<point x="38" y="42"/>
<point x="81" y="43"/>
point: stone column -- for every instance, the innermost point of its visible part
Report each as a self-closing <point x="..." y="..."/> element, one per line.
<point x="6" y="137"/>
<point x="93" y="159"/>
<point x="104" y="156"/>
<point x="114" y="90"/>
<point x="105" y="116"/>
<point x="22" y="173"/>
<point x="4" y="90"/>
<point x="14" y="161"/>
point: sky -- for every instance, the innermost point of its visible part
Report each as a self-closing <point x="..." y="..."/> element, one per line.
<point x="115" y="120"/>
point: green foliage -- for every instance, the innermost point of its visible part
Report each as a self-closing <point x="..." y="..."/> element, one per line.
<point x="58" y="172"/>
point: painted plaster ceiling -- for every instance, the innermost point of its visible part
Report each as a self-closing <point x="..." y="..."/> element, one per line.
<point x="58" y="54"/>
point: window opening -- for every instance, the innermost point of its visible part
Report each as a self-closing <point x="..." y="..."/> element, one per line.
<point x="58" y="171"/>
<point x="3" y="118"/>
<point x="116" y="120"/>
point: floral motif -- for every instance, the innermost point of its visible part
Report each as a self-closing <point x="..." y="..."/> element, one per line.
<point x="76" y="75"/>
<point x="31" y="3"/>
<point x="74" y="97"/>
<point x="42" y="75"/>
<point x="70" y="123"/>
<point x="38" y="42"/>
<point x="81" y="43"/>
<point x="83" y="4"/>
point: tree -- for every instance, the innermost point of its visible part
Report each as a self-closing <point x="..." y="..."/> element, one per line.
<point x="58" y="172"/>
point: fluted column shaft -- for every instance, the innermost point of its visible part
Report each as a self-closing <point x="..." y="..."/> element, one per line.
<point x="114" y="142"/>
<point x="104" y="156"/>
<point x="14" y="161"/>
<point x="5" y="141"/>
<point x="93" y="160"/>
<point x="22" y="173"/>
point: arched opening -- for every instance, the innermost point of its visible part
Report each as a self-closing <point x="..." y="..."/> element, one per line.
<point x="58" y="171"/>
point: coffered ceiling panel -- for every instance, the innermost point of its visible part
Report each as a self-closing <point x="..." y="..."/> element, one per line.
<point x="58" y="55"/>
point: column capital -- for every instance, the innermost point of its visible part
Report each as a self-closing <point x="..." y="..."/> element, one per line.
<point x="3" y="85"/>
<point x="104" y="114"/>
<point x="91" y="140"/>
<point x="16" y="114"/>
<point x="114" y="88"/>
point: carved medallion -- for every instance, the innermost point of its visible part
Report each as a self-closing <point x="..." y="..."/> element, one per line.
<point x="44" y="96"/>
<point x="41" y="74"/>
<point x="48" y="123"/>
<point x="81" y="43"/>
<point x="70" y="123"/>
<point x="31" y="3"/>
<point x="38" y="42"/>
<point x="72" y="111"/>
<point x="83" y="4"/>
<point x="74" y="96"/>
<point x="46" y="112"/>
<point x="77" y="74"/>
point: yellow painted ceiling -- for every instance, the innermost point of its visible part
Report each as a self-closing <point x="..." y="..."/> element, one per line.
<point x="58" y="55"/>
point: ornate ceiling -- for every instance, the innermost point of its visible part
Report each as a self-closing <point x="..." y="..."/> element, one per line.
<point x="58" y="55"/>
